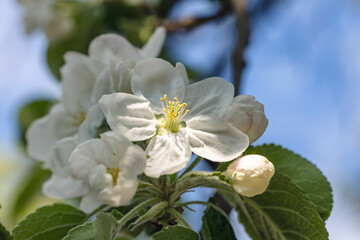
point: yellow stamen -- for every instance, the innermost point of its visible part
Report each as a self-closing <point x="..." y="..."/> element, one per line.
<point x="174" y="112"/>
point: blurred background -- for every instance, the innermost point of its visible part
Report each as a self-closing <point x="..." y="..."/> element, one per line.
<point x="301" y="59"/>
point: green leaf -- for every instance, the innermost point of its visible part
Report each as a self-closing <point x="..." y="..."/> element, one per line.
<point x="4" y="234"/>
<point x="284" y="211"/>
<point x="176" y="233"/>
<point x="49" y="222"/>
<point x="300" y="171"/>
<point x="81" y="232"/>
<point x="216" y="225"/>
<point x="104" y="226"/>
<point x="117" y="215"/>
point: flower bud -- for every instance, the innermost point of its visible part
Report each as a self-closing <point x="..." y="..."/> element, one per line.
<point x="248" y="116"/>
<point x="250" y="175"/>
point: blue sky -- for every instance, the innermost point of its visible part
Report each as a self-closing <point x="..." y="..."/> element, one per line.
<point x="303" y="65"/>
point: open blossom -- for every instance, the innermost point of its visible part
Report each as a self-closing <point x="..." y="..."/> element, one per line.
<point x="250" y="175"/>
<point x="177" y="117"/>
<point x="110" y="166"/>
<point x="247" y="115"/>
<point x="63" y="184"/>
<point x="84" y="80"/>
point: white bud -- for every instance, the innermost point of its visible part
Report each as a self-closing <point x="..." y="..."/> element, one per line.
<point x="248" y="116"/>
<point x="250" y="175"/>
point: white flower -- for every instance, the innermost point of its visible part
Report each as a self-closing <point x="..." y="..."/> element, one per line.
<point x="63" y="184"/>
<point x="110" y="165"/>
<point x="65" y="118"/>
<point x="247" y="115"/>
<point x="84" y="80"/>
<point x="120" y="56"/>
<point x="250" y="175"/>
<point x="178" y="118"/>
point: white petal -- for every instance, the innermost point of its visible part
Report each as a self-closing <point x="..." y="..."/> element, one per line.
<point x="152" y="78"/>
<point x="182" y="71"/>
<point x="90" y="202"/>
<point x="116" y="144"/>
<point x="78" y="78"/>
<point x="59" y="162"/>
<point x="64" y="187"/>
<point x="215" y="139"/>
<point x="87" y="156"/>
<point x="209" y="96"/>
<point x="99" y="178"/>
<point x="129" y="115"/>
<point x="43" y="133"/>
<point x="132" y="163"/>
<point x="115" y="78"/>
<point x="154" y="45"/>
<point x="119" y="194"/>
<point x="107" y="46"/>
<point x="89" y="127"/>
<point x="168" y="153"/>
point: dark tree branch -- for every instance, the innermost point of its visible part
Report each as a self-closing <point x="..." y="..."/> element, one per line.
<point x="243" y="35"/>
<point x="190" y="23"/>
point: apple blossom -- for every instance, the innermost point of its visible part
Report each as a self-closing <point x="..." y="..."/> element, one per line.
<point x="84" y="80"/>
<point x="176" y="117"/>
<point x="110" y="166"/>
<point x="250" y="175"/>
<point x="247" y="115"/>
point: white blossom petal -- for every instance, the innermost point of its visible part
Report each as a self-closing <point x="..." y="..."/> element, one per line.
<point x="87" y="156"/>
<point x="61" y="187"/>
<point x="44" y="132"/>
<point x="78" y="79"/>
<point x="89" y="127"/>
<point x="119" y="194"/>
<point x="59" y="162"/>
<point x="182" y="71"/>
<point x="99" y="178"/>
<point x="90" y="202"/>
<point x="116" y="144"/>
<point x="107" y="46"/>
<point x="133" y="161"/>
<point x="154" y="45"/>
<point x="152" y="78"/>
<point x="168" y="153"/>
<point x="115" y="78"/>
<point x="215" y="139"/>
<point x="209" y="96"/>
<point x="129" y="115"/>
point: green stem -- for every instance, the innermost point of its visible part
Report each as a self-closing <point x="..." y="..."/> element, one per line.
<point x="180" y="217"/>
<point x="192" y="165"/>
<point x="133" y="212"/>
<point x="207" y="204"/>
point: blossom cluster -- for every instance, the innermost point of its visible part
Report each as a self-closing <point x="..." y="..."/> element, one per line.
<point x="123" y="112"/>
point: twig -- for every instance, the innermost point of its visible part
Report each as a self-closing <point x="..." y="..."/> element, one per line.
<point x="191" y="22"/>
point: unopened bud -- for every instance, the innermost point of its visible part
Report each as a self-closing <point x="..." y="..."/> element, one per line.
<point x="248" y="116"/>
<point x="250" y="175"/>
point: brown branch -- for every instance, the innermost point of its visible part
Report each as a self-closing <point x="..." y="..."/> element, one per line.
<point x="243" y="31"/>
<point x="190" y="23"/>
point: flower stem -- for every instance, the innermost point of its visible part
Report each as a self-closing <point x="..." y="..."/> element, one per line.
<point x="207" y="204"/>
<point x="180" y="217"/>
<point x="133" y="212"/>
<point x="192" y="165"/>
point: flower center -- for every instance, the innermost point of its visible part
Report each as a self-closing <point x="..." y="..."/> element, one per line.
<point x="114" y="172"/>
<point x="174" y="112"/>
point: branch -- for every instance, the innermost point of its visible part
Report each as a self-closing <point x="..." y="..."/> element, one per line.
<point x="190" y="23"/>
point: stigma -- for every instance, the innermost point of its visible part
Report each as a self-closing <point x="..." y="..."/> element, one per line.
<point x="174" y="112"/>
